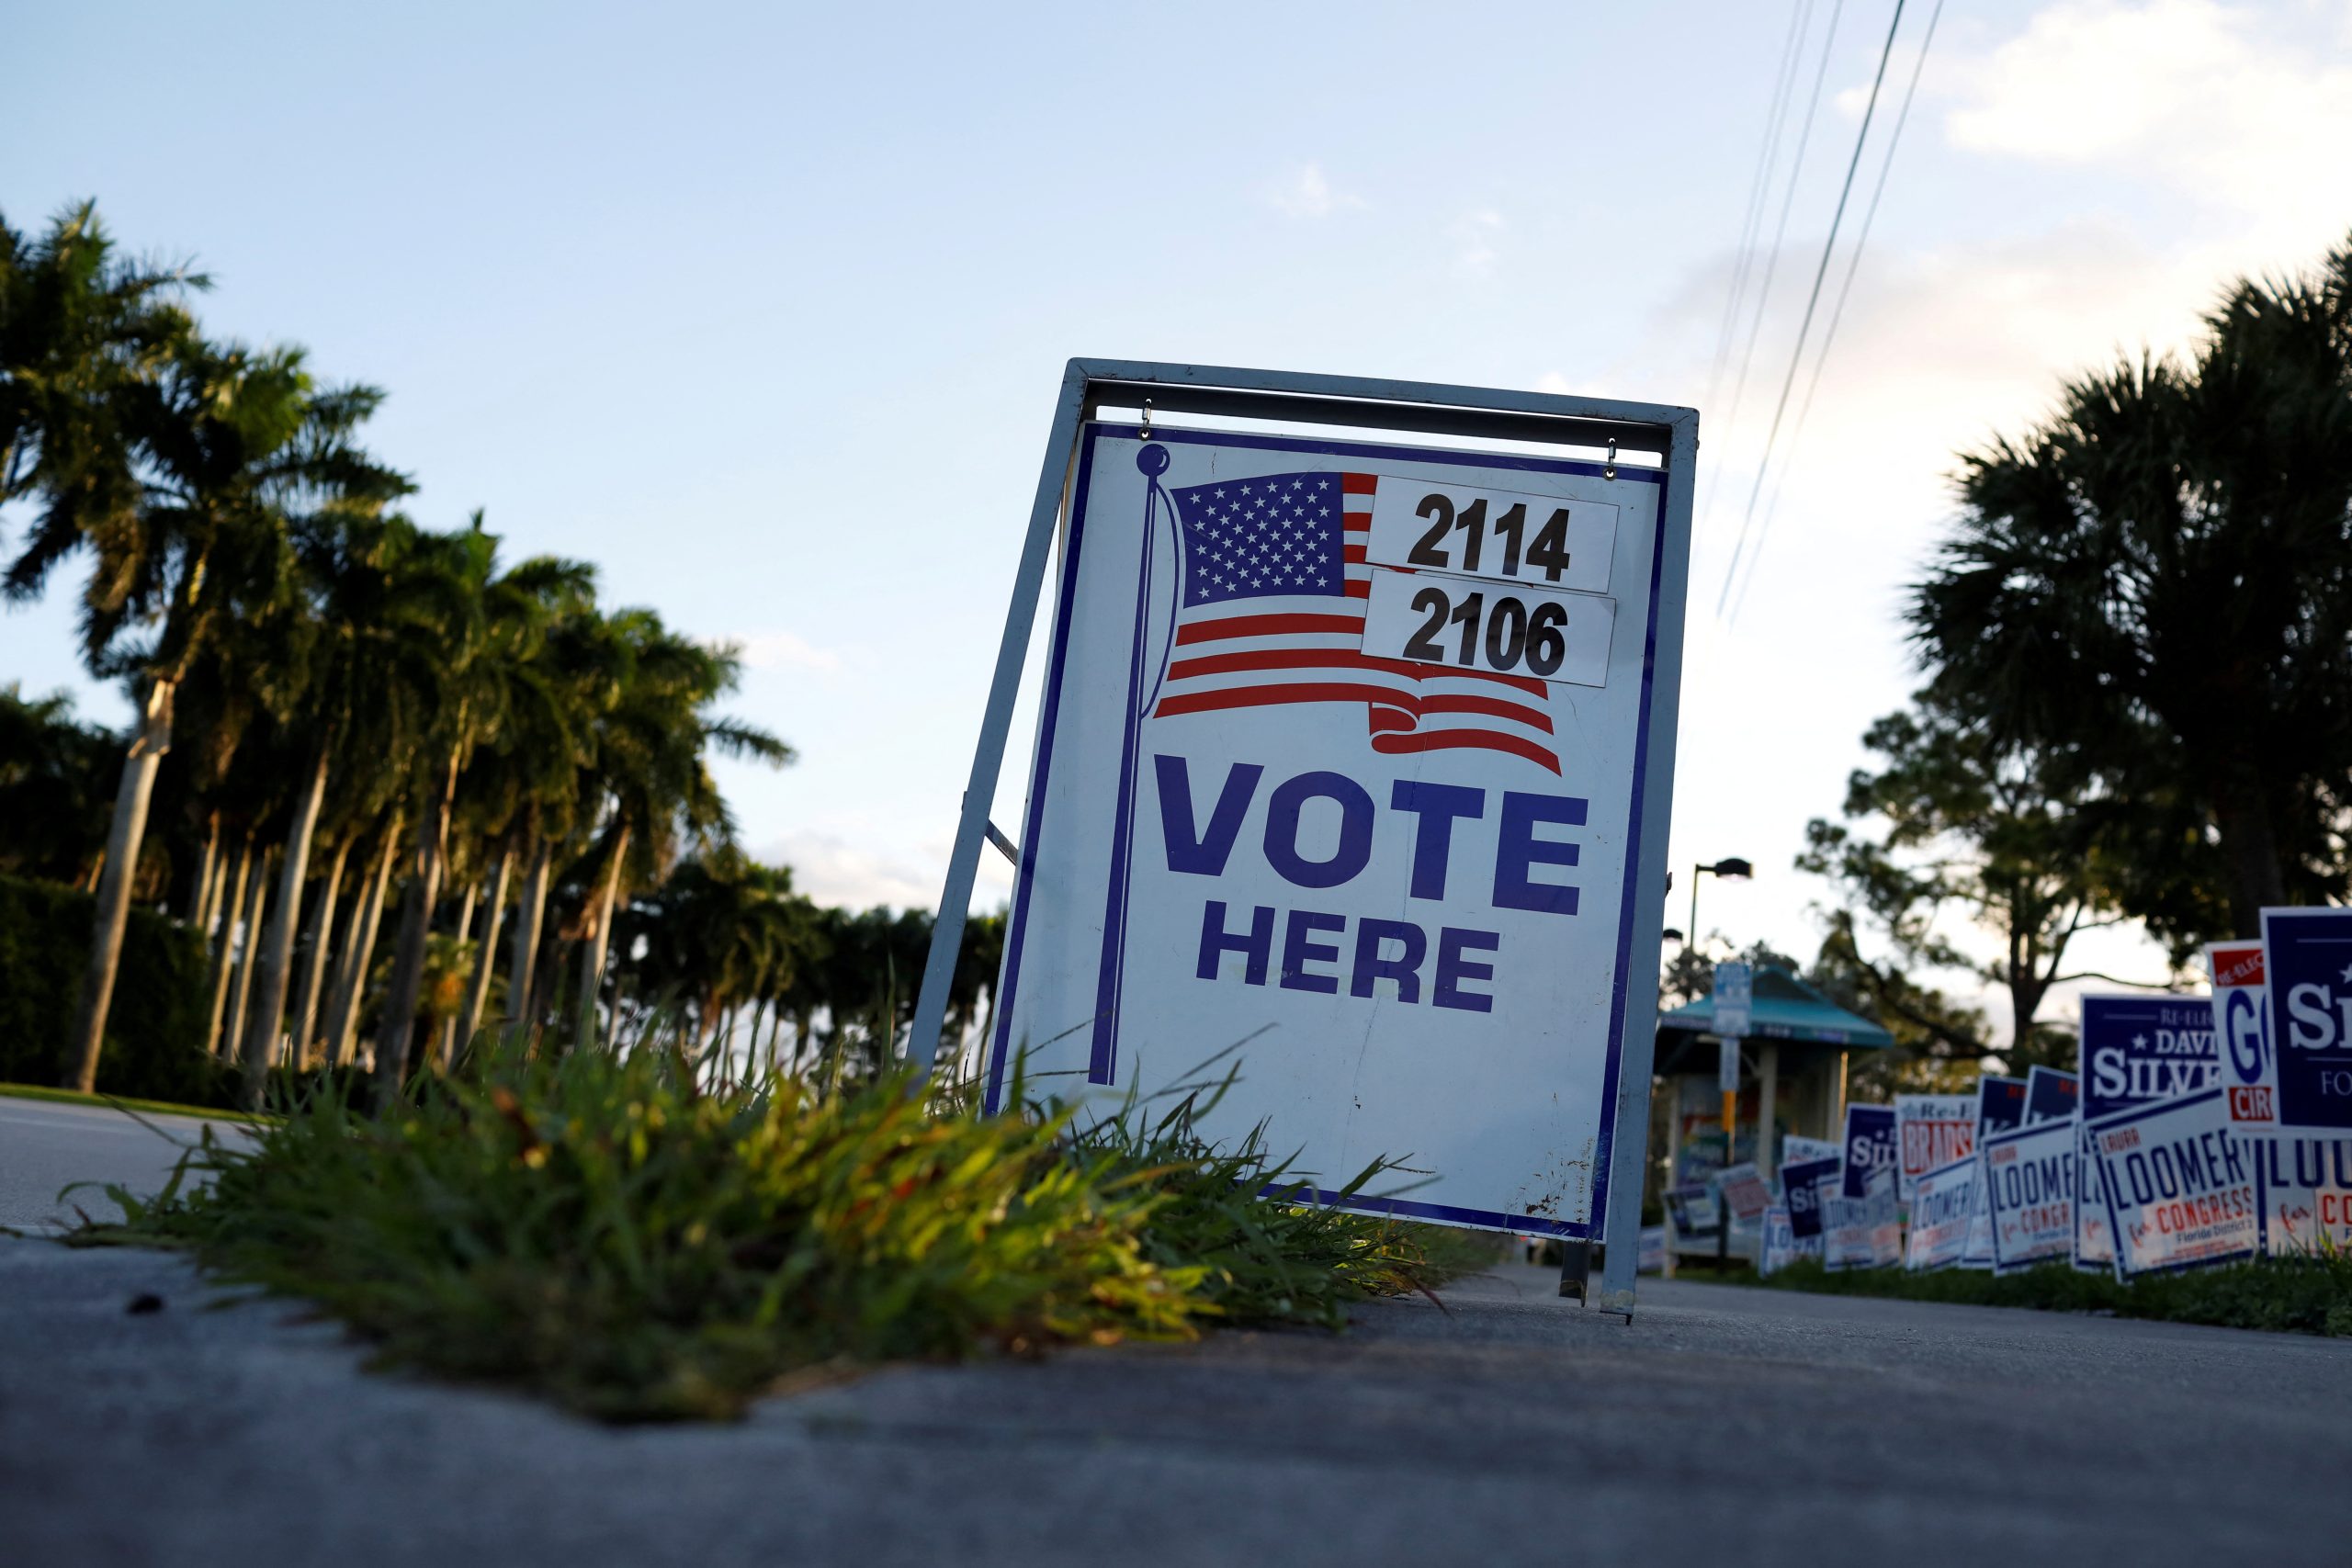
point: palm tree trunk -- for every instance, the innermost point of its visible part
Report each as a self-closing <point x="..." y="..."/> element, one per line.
<point x="445" y="1050"/>
<point x="314" y="957"/>
<point x="344" y="1021"/>
<point x="530" y="911"/>
<point x="277" y="948"/>
<point x="214" y="890"/>
<point x="478" y="994"/>
<point x="399" y="1029"/>
<point x="222" y="945"/>
<point x="121" y="868"/>
<point x="613" y="1021"/>
<point x="201" y="893"/>
<point x="242" y="991"/>
<point x="600" y="935"/>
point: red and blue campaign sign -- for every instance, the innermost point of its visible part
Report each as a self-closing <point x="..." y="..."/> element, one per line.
<point x="2178" y="1186"/>
<point x="1943" y="1205"/>
<point x="2000" y="1105"/>
<point x="2307" y="961"/>
<point x="1343" y="759"/>
<point x="2135" y="1050"/>
<point x="1870" y="1148"/>
<point x="1934" y="1130"/>
<point x="2242" y="1033"/>
<point x="2051" y="1095"/>
<point x="2030" y="1179"/>
<point x="1804" y="1184"/>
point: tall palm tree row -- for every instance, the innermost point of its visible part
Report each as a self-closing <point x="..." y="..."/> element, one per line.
<point x="406" y="789"/>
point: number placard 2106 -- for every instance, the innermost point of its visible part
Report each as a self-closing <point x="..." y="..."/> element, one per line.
<point x="1544" y="540"/>
<point x="1503" y="629"/>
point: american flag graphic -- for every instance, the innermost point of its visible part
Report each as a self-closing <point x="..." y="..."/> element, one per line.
<point x="1270" y="610"/>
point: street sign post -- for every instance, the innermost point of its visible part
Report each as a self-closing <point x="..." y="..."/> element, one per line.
<point x="1353" y="772"/>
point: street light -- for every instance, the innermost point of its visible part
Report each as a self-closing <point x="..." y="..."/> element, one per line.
<point x="1732" y="870"/>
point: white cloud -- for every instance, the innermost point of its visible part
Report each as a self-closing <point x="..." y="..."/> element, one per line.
<point x="2185" y="91"/>
<point x="1552" y="381"/>
<point x="1307" y="192"/>
<point x="1475" y="238"/>
<point x="829" y="869"/>
<point x="786" y="651"/>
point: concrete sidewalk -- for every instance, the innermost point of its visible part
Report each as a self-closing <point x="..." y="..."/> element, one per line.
<point x="1723" y="1426"/>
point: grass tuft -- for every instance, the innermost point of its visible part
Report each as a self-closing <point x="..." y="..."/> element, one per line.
<point x="614" y="1234"/>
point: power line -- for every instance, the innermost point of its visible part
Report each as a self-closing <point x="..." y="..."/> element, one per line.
<point x="1788" y="201"/>
<point x="1820" y="276"/>
<point x="1837" y="314"/>
<point x="1775" y="121"/>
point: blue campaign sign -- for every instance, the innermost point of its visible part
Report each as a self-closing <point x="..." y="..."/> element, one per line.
<point x="1869" y="1147"/>
<point x="2000" y="1105"/>
<point x="2138" y="1049"/>
<point x="2304" y="1186"/>
<point x="2306" y="960"/>
<point x="2051" y="1095"/>
<point x="1803" y="1184"/>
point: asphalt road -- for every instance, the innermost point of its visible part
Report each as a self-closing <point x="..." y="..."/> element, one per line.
<point x="1723" y="1426"/>
<point x="46" y="1145"/>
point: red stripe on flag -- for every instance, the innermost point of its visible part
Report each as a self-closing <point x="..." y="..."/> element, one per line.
<point x="1339" y="658"/>
<point x="1353" y="554"/>
<point x="1466" y="739"/>
<point x="1359" y="484"/>
<point x="1272" y="696"/>
<point x="1265" y="625"/>
<point x="1359" y="588"/>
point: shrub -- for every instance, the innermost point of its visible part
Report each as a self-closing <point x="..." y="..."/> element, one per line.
<point x="154" y="1044"/>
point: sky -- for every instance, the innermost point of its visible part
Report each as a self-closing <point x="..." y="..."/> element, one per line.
<point x="763" y="309"/>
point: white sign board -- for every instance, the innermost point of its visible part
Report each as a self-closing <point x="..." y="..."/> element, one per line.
<point x="1779" y="1247"/>
<point x="1745" y="1193"/>
<point x="2179" y="1187"/>
<point x="2030" y="1178"/>
<point x="1943" y="1206"/>
<point x="2305" y="1187"/>
<point x="1865" y="1231"/>
<point x="1398" y="878"/>
<point x="1797" y="1150"/>
<point x="1732" y="998"/>
<point x="1931" y="1130"/>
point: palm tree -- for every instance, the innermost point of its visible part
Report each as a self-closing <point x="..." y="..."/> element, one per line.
<point x="650" y="748"/>
<point x="2156" y="587"/>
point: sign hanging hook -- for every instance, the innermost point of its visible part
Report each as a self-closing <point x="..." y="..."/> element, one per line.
<point x="1146" y="430"/>
<point x="1609" y="463"/>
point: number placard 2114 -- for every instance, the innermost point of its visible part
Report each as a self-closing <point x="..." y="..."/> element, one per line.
<point x="1545" y="541"/>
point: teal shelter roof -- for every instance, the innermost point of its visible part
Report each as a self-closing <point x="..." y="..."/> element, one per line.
<point x="1785" y="1007"/>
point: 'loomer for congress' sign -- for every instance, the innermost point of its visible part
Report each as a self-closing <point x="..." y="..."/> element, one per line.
<point x="1343" y="759"/>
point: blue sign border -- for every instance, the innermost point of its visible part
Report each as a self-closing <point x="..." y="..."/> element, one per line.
<point x="2096" y="1125"/>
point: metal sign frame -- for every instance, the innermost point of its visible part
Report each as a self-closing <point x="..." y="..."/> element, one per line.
<point x="1665" y="432"/>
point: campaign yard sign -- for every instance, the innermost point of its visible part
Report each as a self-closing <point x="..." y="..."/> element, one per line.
<point x="2135" y="1050"/>
<point x="1744" y="1191"/>
<point x="2030" y="1179"/>
<point x="1943" y="1205"/>
<point x="1865" y="1231"/>
<point x="2178" y="1186"/>
<point x="1652" y="1256"/>
<point x="1802" y="1185"/>
<point x="1779" y="1247"/>
<point x="2051" y="1095"/>
<point x="1798" y="1150"/>
<point x="2304" y="1188"/>
<point x="2307" y="964"/>
<point x="1869" y="1147"/>
<point x="1344" y="754"/>
<point x="1931" y="1130"/>
<point x="2000" y="1105"/>
<point x="2242" y="1035"/>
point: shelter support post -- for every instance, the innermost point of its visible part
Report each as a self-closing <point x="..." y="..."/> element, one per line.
<point x="1768" y="1081"/>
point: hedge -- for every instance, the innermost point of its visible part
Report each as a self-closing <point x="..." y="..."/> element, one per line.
<point x="154" y="1045"/>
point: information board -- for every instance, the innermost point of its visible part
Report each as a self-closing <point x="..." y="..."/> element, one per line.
<point x="1344" y="764"/>
<point x="2179" y="1187"/>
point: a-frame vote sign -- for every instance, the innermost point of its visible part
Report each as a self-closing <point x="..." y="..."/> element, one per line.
<point x="1354" y="756"/>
